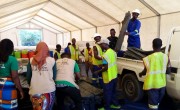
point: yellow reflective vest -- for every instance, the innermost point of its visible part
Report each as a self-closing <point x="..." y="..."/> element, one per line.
<point x="87" y="55"/>
<point x="156" y="64"/>
<point x="74" y="52"/>
<point x="58" y="54"/>
<point x="100" y="53"/>
<point x="111" y="57"/>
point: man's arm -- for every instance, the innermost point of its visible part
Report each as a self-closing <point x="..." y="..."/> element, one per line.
<point x="168" y="70"/>
<point x="55" y="56"/>
<point x="54" y="71"/>
<point x="104" y="67"/>
<point x="95" y="51"/>
<point x="69" y="51"/>
<point x="136" y="31"/>
<point x="77" y="71"/>
<point x="29" y="73"/>
<point x="82" y="52"/>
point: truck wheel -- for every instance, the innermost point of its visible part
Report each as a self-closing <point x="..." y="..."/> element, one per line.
<point x="132" y="88"/>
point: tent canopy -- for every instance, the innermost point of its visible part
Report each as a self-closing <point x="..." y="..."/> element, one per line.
<point x="70" y="15"/>
<point x="60" y="20"/>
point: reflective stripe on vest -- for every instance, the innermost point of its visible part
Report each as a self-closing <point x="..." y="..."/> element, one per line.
<point x="153" y="106"/>
<point x="87" y="56"/>
<point x="94" y="78"/>
<point x="111" y="57"/>
<point x="156" y="71"/>
<point x="74" y="52"/>
<point x="137" y="33"/>
<point x="58" y="54"/>
<point x="94" y="60"/>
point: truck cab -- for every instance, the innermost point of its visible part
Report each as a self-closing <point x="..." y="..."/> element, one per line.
<point x="129" y="69"/>
<point x="173" y="79"/>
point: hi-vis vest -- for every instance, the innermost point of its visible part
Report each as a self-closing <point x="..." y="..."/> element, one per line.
<point x="111" y="57"/>
<point x="87" y="56"/>
<point x="58" y="54"/>
<point x="156" y="71"/>
<point x="100" y="53"/>
<point x="74" y="52"/>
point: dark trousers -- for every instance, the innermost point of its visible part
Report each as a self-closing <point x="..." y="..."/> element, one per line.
<point x="88" y="66"/>
<point x="110" y="97"/>
<point x="154" y="97"/>
<point x="96" y="77"/>
<point x="72" y="92"/>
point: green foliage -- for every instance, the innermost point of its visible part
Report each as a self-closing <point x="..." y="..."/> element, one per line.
<point x="30" y="37"/>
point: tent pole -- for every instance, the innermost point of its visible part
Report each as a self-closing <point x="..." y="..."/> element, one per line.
<point x="81" y="34"/>
<point x="63" y="39"/>
<point x="159" y="26"/>
<point x="70" y="35"/>
<point x="17" y="36"/>
<point x="56" y="39"/>
<point x="43" y="34"/>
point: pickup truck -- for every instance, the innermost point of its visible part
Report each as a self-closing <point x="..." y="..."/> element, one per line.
<point x="129" y="70"/>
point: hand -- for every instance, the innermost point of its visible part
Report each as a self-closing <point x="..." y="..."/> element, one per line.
<point x="126" y="33"/>
<point x="22" y="95"/>
<point x="96" y="72"/>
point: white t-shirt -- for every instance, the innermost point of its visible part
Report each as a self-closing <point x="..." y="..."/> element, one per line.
<point x="42" y="81"/>
<point x="65" y="71"/>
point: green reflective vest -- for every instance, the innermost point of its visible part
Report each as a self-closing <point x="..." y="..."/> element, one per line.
<point x="74" y="52"/>
<point x="111" y="57"/>
<point x="87" y="54"/>
<point x="156" y="71"/>
<point x="58" y="54"/>
<point x="100" y="53"/>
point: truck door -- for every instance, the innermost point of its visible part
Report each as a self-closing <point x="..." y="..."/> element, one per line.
<point x="173" y="79"/>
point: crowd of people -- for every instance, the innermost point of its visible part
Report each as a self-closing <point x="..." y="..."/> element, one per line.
<point x="51" y="78"/>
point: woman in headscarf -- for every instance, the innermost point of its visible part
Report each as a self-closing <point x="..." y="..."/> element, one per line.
<point x="9" y="79"/>
<point x="41" y="73"/>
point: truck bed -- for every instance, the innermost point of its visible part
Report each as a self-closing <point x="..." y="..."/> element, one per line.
<point x="135" y="66"/>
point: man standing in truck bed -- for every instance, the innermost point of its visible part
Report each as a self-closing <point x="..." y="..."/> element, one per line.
<point x="133" y="30"/>
<point x="112" y="39"/>
<point x="155" y="80"/>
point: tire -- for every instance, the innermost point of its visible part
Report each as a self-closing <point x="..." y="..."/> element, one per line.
<point x="132" y="88"/>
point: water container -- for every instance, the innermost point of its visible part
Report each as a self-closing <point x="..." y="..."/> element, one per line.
<point x="24" y="51"/>
<point x="17" y="54"/>
<point x="51" y="53"/>
<point x="24" y="54"/>
<point x="30" y="54"/>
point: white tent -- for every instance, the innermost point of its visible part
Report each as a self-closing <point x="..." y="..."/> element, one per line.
<point x="61" y="20"/>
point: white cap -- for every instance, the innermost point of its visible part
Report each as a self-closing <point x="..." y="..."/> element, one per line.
<point x="104" y="40"/>
<point x="136" y="11"/>
<point x="96" y="34"/>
